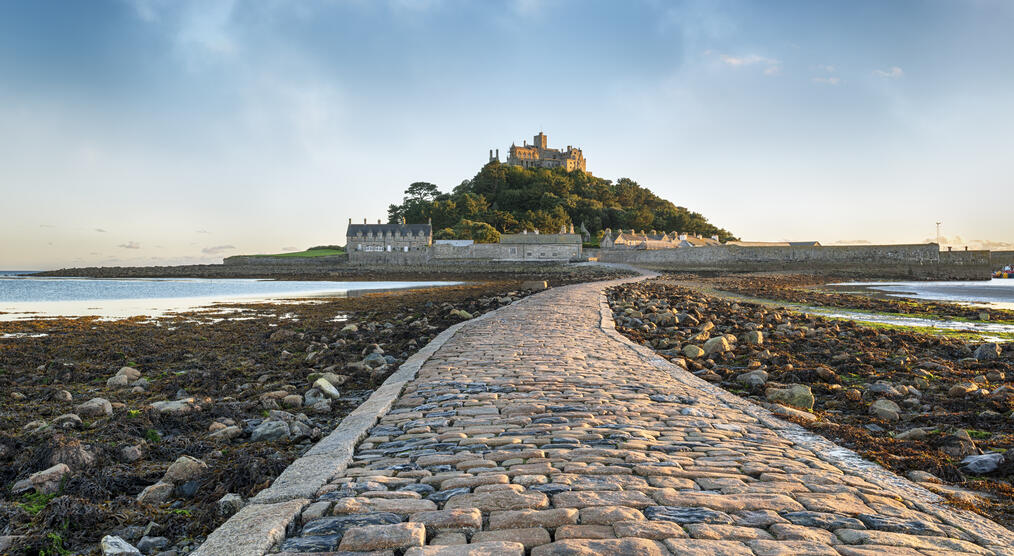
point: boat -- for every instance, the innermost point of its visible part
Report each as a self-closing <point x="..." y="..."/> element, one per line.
<point x="1005" y="272"/>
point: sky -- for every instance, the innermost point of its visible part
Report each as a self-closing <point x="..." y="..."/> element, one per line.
<point x="147" y="132"/>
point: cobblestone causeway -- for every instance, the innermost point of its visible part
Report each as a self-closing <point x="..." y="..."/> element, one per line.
<point x="540" y="431"/>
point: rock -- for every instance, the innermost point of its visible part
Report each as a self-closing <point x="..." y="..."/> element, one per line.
<point x="131" y="373"/>
<point x="148" y="545"/>
<point x="374" y="360"/>
<point x="796" y="395"/>
<point x="63" y="396"/>
<point x="115" y="546"/>
<point x="95" y="407"/>
<point x="917" y="433"/>
<point x="155" y="494"/>
<point x="118" y="381"/>
<point x="71" y="453"/>
<point x="228" y="433"/>
<point x="293" y="401"/>
<point x="327" y="388"/>
<point x="692" y="351"/>
<point x="883" y="388"/>
<point x="959" y="445"/>
<point x="48" y="481"/>
<point x="537" y="285"/>
<point x="229" y="504"/>
<point x="313" y="396"/>
<point x="753" y="378"/>
<point x="174" y="406"/>
<point x="184" y="469"/>
<point x="987" y="352"/>
<point x="131" y="454"/>
<point x="335" y="379"/>
<point x="885" y="409"/>
<point x="464" y="315"/>
<point x="67" y="421"/>
<point x="980" y="465"/>
<point x="753" y="338"/>
<point x="350" y="329"/>
<point x="269" y="431"/>
<point x="717" y="345"/>
<point x="963" y="389"/>
<point x="282" y="334"/>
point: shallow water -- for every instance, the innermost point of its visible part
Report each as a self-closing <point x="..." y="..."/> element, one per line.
<point x="998" y="292"/>
<point x="28" y="297"/>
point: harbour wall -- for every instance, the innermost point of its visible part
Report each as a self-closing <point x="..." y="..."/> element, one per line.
<point x="911" y="262"/>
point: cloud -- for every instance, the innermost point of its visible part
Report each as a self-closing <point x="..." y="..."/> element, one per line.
<point x="218" y="249"/>
<point x="957" y="242"/>
<point x="771" y="65"/>
<point x="100" y="230"/>
<point x="130" y="245"/>
<point x="827" y="80"/>
<point x="826" y="67"/>
<point x="893" y="72"/>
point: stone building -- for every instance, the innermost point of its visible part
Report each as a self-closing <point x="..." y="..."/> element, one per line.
<point x="539" y="155"/>
<point x="540" y="247"/>
<point x="630" y="239"/>
<point x="363" y="241"/>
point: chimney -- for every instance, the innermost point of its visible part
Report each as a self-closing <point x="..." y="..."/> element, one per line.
<point x="378" y="221"/>
<point x="498" y="155"/>
<point x="364" y="221"/>
<point x="350" y="221"/>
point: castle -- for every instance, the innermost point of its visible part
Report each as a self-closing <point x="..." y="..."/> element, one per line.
<point x="539" y="155"/>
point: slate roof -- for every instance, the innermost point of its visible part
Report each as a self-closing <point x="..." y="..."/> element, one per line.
<point x="403" y="230"/>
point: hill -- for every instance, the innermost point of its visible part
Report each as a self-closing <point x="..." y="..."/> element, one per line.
<point x="509" y="199"/>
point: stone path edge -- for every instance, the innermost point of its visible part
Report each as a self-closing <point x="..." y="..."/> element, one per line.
<point x="255" y="529"/>
<point x="976" y="525"/>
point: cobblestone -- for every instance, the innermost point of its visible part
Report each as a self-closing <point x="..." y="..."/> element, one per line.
<point x="540" y="429"/>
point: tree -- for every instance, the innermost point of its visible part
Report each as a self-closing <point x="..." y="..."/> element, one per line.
<point x="421" y="191"/>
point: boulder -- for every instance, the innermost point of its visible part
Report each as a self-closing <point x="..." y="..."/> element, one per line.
<point x="115" y="546"/>
<point x="796" y="395"/>
<point x="718" y="344"/>
<point x="155" y="494"/>
<point x="963" y="389"/>
<point x="987" y="352"/>
<point x="227" y="433"/>
<point x="174" y="406"/>
<point x="980" y="465"/>
<point x="753" y="378"/>
<point x="67" y="421"/>
<point x="292" y="400"/>
<point x="753" y="338"/>
<point x="131" y="373"/>
<point x="327" y="388"/>
<point x="350" y="329"/>
<point x="464" y="315"/>
<point x="885" y="409"/>
<point x="692" y="351"/>
<point x="48" y="481"/>
<point x="184" y="469"/>
<point x="95" y="407"/>
<point x="118" y="381"/>
<point x="229" y="504"/>
<point x="269" y="431"/>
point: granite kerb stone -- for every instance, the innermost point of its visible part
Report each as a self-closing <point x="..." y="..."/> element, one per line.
<point x="847" y="460"/>
<point x="304" y="477"/>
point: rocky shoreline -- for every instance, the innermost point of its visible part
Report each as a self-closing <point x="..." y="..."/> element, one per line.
<point x="156" y="430"/>
<point x="936" y="409"/>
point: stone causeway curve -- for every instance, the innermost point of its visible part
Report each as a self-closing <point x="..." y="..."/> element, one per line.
<point x="537" y="429"/>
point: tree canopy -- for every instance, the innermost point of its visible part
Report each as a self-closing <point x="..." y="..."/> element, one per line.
<point x="511" y="199"/>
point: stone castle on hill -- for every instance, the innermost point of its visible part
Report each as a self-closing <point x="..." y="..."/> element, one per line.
<point x="539" y="155"/>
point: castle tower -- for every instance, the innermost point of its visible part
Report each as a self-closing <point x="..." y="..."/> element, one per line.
<point x="541" y="141"/>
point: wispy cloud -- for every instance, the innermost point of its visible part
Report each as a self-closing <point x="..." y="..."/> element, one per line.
<point x="827" y="80"/>
<point x="100" y="230"/>
<point x="202" y="231"/>
<point x="771" y="65"/>
<point x="827" y="68"/>
<point x="130" y="245"/>
<point x="218" y="249"/>
<point x="893" y="72"/>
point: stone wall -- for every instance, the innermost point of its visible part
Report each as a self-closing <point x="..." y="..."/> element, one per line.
<point x="915" y="262"/>
<point x="329" y="260"/>
<point x="999" y="259"/>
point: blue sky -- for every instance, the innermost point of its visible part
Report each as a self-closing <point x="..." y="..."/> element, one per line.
<point x="158" y="132"/>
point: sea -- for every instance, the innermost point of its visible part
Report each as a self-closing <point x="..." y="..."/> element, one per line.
<point x="24" y="297"/>
<point x="998" y="292"/>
